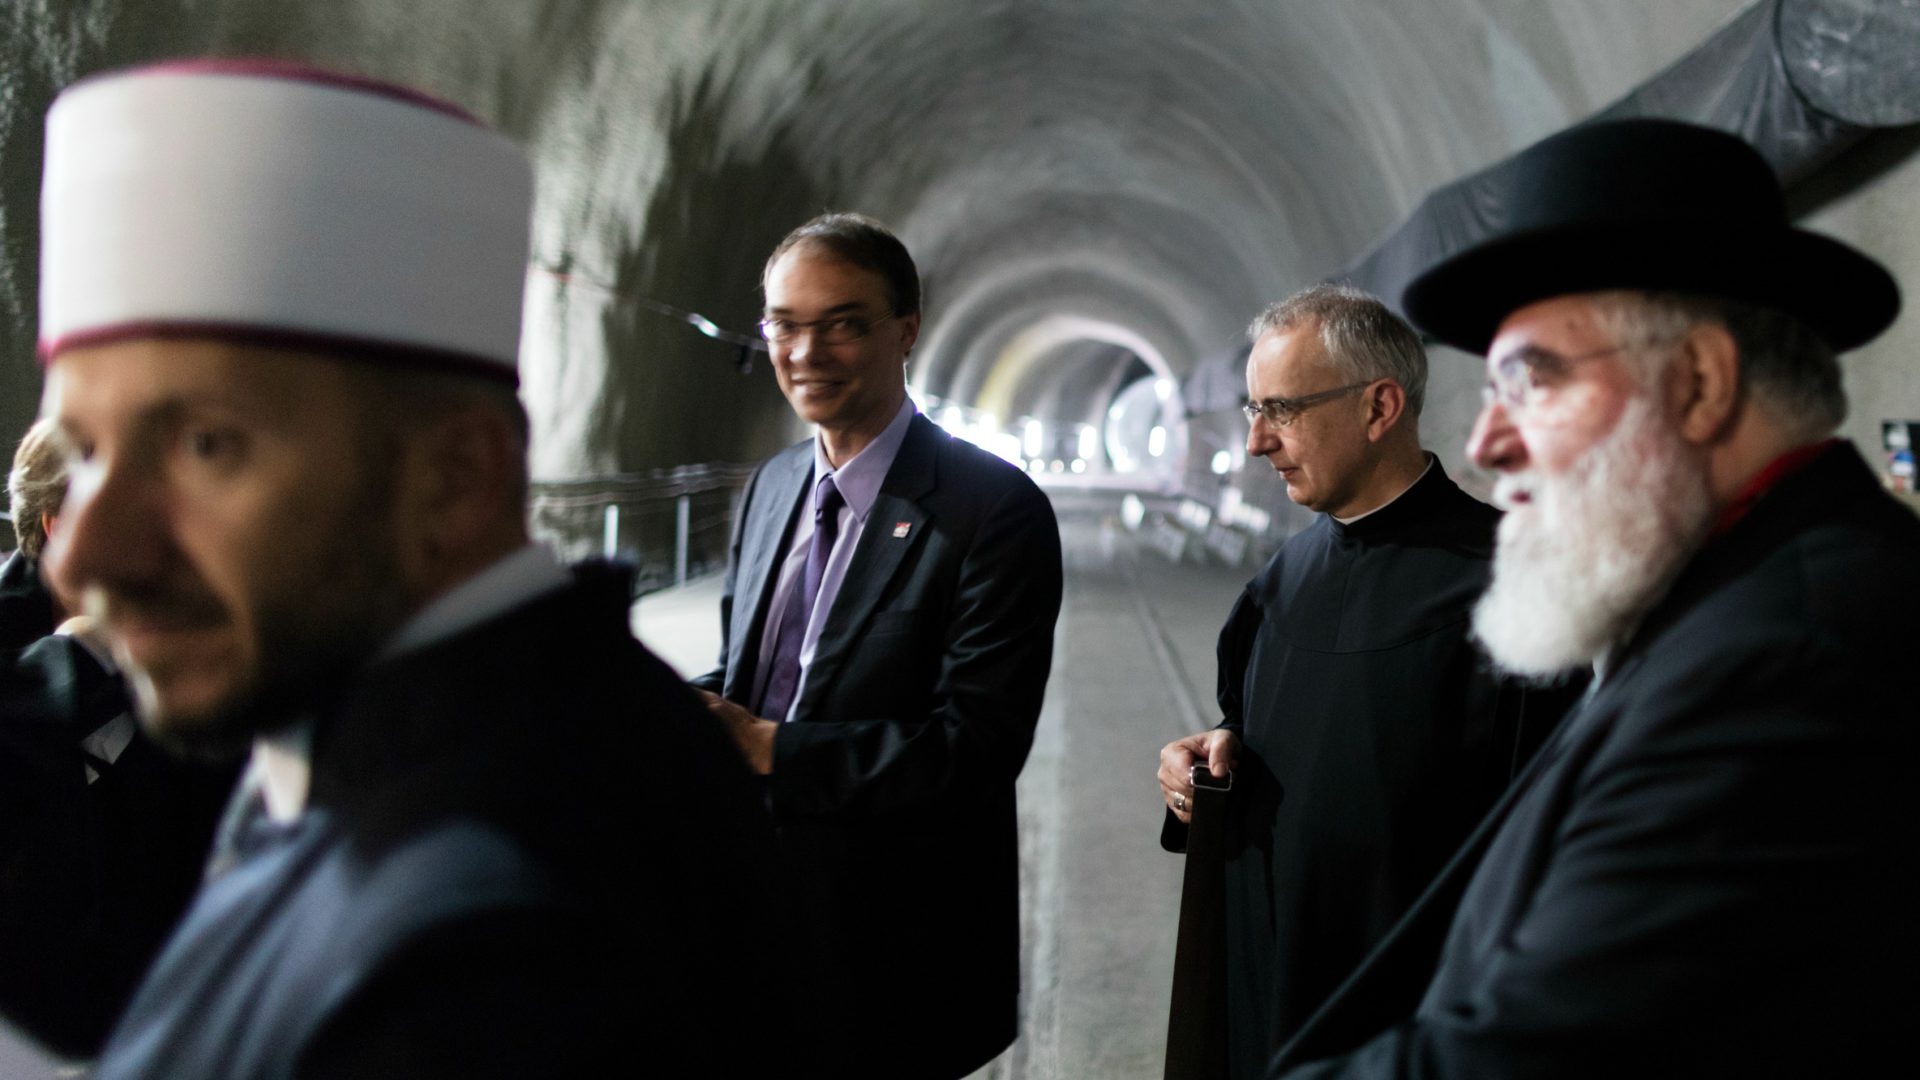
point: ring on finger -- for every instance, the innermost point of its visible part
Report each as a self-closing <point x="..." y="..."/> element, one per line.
<point x="1180" y="802"/>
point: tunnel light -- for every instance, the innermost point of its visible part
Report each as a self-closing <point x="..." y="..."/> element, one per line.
<point x="1004" y="445"/>
<point x="704" y="325"/>
<point x="1222" y="462"/>
<point x="1036" y="466"/>
<point x="1163" y="388"/>
<point x="1133" y="511"/>
<point x="1078" y="465"/>
<point x="1089" y="441"/>
<point x="1156" y="441"/>
<point x="953" y="419"/>
<point x="1033" y="438"/>
<point x="1058" y="466"/>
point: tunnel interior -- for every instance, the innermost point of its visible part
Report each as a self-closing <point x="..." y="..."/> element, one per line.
<point x="1099" y="193"/>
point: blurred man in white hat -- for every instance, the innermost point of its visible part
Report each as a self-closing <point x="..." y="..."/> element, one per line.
<point x="484" y="833"/>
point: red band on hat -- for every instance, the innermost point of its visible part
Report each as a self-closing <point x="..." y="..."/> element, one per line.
<point x="342" y="346"/>
<point x="296" y="71"/>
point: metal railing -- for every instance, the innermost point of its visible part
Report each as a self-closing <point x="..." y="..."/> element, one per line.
<point x="673" y="524"/>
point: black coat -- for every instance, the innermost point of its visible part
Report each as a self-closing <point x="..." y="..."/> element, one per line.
<point x="93" y="874"/>
<point x="527" y="852"/>
<point x="1711" y="868"/>
<point x="26" y="606"/>
<point x="1374" y="735"/>
<point x="892" y="787"/>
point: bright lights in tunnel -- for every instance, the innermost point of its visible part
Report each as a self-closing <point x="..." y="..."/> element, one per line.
<point x="1089" y="441"/>
<point x="1033" y="440"/>
<point x="1222" y="462"/>
<point x="1146" y="427"/>
<point x="979" y="427"/>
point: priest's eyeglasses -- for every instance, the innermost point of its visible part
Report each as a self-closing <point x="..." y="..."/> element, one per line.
<point x="1281" y="411"/>
<point x="833" y="330"/>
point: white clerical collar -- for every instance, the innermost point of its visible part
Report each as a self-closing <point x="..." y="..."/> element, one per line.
<point x="282" y="762"/>
<point x="1416" y="482"/>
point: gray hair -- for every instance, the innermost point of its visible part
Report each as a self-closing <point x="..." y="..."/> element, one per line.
<point x="1786" y="367"/>
<point x="1362" y="337"/>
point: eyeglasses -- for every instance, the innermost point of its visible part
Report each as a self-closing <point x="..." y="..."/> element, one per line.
<point x="1522" y="378"/>
<point x="837" y="330"/>
<point x="1281" y="411"/>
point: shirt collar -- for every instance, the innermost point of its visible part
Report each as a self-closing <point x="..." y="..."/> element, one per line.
<point x="860" y="478"/>
<point x="1768" y="478"/>
<point x="1403" y="491"/>
<point x="505" y="585"/>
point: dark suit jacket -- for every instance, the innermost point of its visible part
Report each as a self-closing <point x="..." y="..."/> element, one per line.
<point x="26" y="607"/>
<point x="892" y="788"/>
<point x="528" y="852"/>
<point x="1710" y="869"/>
<point x="93" y="875"/>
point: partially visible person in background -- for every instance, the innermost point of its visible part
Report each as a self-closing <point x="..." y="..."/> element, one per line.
<point x="102" y="833"/>
<point x="35" y="488"/>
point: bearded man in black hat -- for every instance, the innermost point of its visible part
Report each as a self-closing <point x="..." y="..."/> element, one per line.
<point x="1709" y="867"/>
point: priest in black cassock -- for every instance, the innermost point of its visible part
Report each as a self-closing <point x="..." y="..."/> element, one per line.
<point x="1365" y="732"/>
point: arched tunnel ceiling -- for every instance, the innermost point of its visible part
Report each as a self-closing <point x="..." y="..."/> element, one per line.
<point x="1163" y="166"/>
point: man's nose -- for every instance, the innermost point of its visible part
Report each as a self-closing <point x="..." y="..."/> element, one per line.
<point x="1495" y="443"/>
<point x="111" y="529"/>
<point x="1261" y="438"/>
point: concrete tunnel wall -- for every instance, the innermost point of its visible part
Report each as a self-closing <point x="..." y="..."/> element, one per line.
<point x="1160" y="169"/>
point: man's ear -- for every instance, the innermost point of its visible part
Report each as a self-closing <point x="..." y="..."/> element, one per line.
<point x="909" y="331"/>
<point x="459" y="487"/>
<point x="1386" y="403"/>
<point x="1706" y="383"/>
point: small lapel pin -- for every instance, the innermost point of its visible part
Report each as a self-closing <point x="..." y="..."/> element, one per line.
<point x="900" y="529"/>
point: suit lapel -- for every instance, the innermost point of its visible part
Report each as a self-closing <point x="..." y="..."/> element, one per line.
<point x="896" y="526"/>
<point x="769" y="531"/>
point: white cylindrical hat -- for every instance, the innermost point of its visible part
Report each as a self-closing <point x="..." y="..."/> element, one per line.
<point x="279" y="203"/>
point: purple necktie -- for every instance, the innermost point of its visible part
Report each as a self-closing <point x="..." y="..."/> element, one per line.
<point x="784" y="677"/>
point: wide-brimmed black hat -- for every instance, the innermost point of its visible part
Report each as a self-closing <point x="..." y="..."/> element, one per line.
<point x="1654" y="205"/>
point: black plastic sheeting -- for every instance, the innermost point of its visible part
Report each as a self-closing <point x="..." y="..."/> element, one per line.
<point x="1801" y="80"/>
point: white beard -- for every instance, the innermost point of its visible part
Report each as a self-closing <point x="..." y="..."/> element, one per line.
<point x="1591" y="551"/>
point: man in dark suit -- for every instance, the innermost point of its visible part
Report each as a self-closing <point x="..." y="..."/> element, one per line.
<point x="1710" y="869"/>
<point x="484" y="832"/>
<point x="888" y="625"/>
